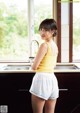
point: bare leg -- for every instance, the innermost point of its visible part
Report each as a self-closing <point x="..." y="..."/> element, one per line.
<point x="50" y="106"/>
<point x="37" y="104"/>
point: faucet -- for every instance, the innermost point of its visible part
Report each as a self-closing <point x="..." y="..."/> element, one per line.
<point x="33" y="48"/>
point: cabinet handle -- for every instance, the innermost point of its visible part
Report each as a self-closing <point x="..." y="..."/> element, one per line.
<point x="63" y="89"/>
<point x="23" y="90"/>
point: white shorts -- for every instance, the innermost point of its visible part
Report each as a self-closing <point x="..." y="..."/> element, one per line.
<point x="45" y="86"/>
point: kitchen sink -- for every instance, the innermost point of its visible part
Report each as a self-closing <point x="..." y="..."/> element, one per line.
<point x="17" y="67"/>
<point x="66" y="66"/>
<point x="28" y="67"/>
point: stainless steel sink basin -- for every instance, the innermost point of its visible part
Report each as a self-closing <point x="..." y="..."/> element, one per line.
<point x="28" y="67"/>
<point x="17" y="67"/>
<point x="66" y="66"/>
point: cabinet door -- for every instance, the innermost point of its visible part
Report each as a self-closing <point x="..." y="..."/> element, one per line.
<point x="69" y="98"/>
<point x="21" y="103"/>
<point x="16" y="101"/>
<point x="14" y="92"/>
<point x="68" y="102"/>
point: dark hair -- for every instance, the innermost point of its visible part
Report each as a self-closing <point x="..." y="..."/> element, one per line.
<point x="49" y="24"/>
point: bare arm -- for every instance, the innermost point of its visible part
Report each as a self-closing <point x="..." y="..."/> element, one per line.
<point x="42" y="51"/>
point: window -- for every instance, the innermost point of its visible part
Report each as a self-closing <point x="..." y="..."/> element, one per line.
<point x="76" y="32"/>
<point x="42" y="10"/>
<point x="13" y="30"/>
<point x="14" y="27"/>
<point x="73" y="34"/>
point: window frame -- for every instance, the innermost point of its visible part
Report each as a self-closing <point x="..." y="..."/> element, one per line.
<point x="59" y="29"/>
<point x="70" y="29"/>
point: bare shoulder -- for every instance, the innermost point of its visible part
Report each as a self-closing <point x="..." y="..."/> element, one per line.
<point x="43" y="46"/>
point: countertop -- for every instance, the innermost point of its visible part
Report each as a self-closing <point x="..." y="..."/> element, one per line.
<point x="62" y="68"/>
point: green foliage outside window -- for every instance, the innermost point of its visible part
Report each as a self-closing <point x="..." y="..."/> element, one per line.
<point x="14" y="29"/>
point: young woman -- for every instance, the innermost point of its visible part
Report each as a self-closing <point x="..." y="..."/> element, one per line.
<point x="44" y="88"/>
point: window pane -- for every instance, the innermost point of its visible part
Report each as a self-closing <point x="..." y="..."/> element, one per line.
<point x="13" y="30"/>
<point x="43" y="10"/>
<point x="76" y="31"/>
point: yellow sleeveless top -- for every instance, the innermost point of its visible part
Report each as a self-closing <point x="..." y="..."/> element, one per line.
<point x="48" y="62"/>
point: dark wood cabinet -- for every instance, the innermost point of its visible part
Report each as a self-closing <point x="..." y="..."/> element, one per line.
<point x="69" y="85"/>
<point x="14" y="92"/>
